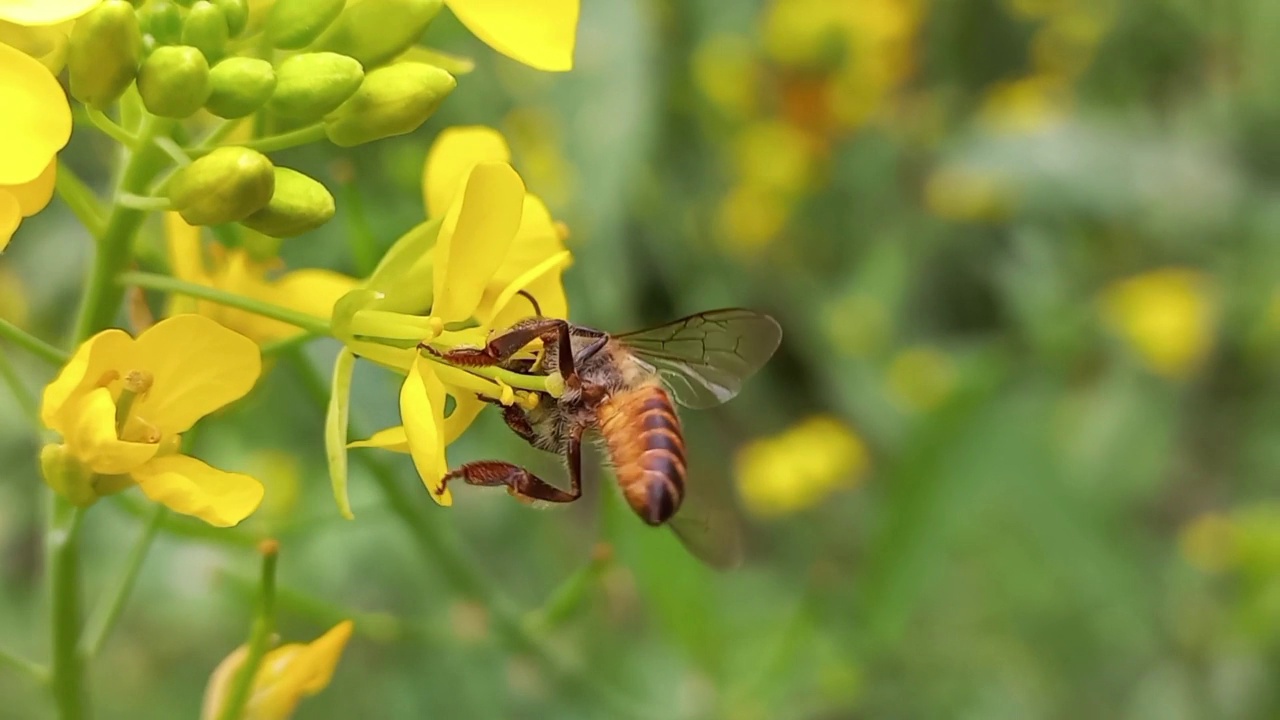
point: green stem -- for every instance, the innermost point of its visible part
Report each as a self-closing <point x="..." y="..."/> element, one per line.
<point x="83" y="203"/>
<point x="109" y="126"/>
<point x="105" y="615"/>
<point x="31" y="343"/>
<point x="103" y="296"/>
<point x="63" y="562"/>
<point x="272" y="143"/>
<point x="33" y="670"/>
<point x="147" y="203"/>
<point x="164" y="283"/>
<point x="259" y="639"/>
<point x="441" y="547"/>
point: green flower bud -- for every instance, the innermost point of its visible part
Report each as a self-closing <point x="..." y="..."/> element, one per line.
<point x="293" y="24"/>
<point x="228" y="184"/>
<point x="239" y="86"/>
<point x="103" y="53"/>
<point x="161" y="20"/>
<point x="311" y="85"/>
<point x="375" y="31"/>
<point x="393" y="100"/>
<point x="174" y="81"/>
<point x="67" y="476"/>
<point x="206" y="29"/>
<point x="237" y="14"/>
<point x="299" y="204"/>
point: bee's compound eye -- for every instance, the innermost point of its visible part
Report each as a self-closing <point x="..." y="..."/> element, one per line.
<point x="661" y="503"/>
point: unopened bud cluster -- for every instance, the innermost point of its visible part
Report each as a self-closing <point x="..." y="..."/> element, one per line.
<point x="322" y="64"/>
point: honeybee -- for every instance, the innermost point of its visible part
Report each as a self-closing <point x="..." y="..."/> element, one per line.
<point x="619" y="389"/>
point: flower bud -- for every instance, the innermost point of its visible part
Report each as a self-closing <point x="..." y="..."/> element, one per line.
<point x="239" y="86"/>
<point x="226" y="185"/>
<point x="298" y="204"/>
<point x="174" y="81"/>
<point x="65" y="475"/>
<point x="103" y="53"/>
<point x="237" y="14"/>
<point x="294" y="24"/>
<point x="310" y="85"/>
<point x="161" y="20"/>
<point x="375" y="31"/>
<point x="206" y="30"/>
<point x="393" y="100"/>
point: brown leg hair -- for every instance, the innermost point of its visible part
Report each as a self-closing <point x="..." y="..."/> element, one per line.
<point x="521" y="482"/>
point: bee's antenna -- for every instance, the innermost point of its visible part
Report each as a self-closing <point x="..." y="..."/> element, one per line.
<point x="537" y="309"/>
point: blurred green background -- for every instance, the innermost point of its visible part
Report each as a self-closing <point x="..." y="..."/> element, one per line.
<point x="1016" y="458"/>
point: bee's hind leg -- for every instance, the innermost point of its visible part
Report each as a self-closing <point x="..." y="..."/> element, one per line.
<point x="521" y="482"/>
<point x="518" y="481"/>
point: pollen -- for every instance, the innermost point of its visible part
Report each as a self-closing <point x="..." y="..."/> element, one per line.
<point x="138" y="382"/>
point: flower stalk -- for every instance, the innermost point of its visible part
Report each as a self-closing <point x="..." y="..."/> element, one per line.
<point x="62" y="555"/>
<point x="264" y="624"/>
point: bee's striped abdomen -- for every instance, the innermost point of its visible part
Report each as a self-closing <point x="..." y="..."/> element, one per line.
<point x="646" y="446"/>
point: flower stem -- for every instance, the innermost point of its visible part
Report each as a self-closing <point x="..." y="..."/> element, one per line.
<point x="105" y="614"/>
<point x="102" y="298"/>
<point x="27" y="401"/>
<point x="109" y="126"/>
<point x="164" y="283"/>
<point x="83" y="203"/>
<point x="63" y="561"/>
<point x="260" y="638"/>
<point x="272" y="143"/>
<point x="31" y="343"/>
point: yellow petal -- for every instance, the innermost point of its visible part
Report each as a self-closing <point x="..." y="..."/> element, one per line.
<point x="312" y="291"/>
<point x="36" y="122"/>
<point x="47" y="43"/>
<point x="503" y="313"/>
<point x="43" y="12"/>
<point x="92" y="437"/>
<point x="392" y="438"/>
<point x="197" y="366"/>
<point x="186" y="259"/>
<point x="286" y="675"/>
<point x="186" y="485"/>
<point x="453" y="154"/>
<point x="33" y="196"/>
<point x="10" y="216"/>
<point x="465" y="410"/>
<point x="96" y="357"/>
<point x="539" y="34"/>
<point x="422" y="412"/>
<point x="474" y="239"/>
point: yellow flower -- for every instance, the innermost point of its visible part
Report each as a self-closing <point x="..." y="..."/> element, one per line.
<point x="35" y="125"/>
<point x="43" y="12"/>
<point x="121" y="405"/>
<point x="968" y="194"/>
<point x="539" y="34"/>
<point x="800" y="467"/>
<point x="311" y="291"/>
<point x="287" y="674"/>
<point x="494" y="240"/>
<point x="1166" y="316"/>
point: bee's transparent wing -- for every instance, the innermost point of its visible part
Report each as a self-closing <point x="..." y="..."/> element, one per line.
<point x="708" y="525"/>
<point x="705" y="358"/>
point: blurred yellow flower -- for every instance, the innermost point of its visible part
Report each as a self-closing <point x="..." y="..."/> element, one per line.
<point x="311" y="291"/>
<point x="800" y="467"/>
<point x="539" y="34"/>
<point x="121" y="405"/>
<point x="1027" y="104"/>
<point x="954" y="192"/>
<point x="725" y="71"/>
<point x="1246" y="539"/>
<point x="920" y="378"/>
<point x="287" y="675"/>
<point x="13" y="297"/>
<point x="1166" y="316"/>
<point x="494" y="240"/>
<point x="35" y="125"/>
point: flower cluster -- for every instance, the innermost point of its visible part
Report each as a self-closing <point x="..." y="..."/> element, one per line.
<point x="197" y="95"/>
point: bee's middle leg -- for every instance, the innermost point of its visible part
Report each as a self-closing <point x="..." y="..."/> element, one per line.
<point x="518" y="481"/>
